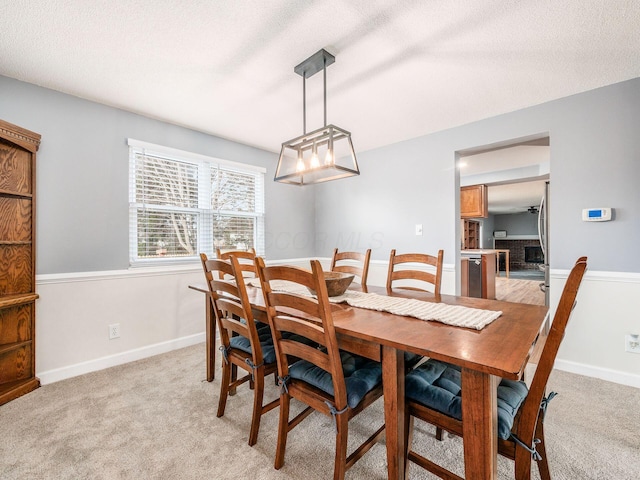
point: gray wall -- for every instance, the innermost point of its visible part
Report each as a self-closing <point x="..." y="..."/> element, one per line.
<point x="487" y="227"/>
<point x="595" y="162"/>
<point x="82" y="179"/>
<point x="83" y="160"/>
<point x="517" y="223"/>
<point x="400" y="185"/>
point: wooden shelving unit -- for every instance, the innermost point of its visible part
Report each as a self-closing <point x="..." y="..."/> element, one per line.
<point x="17" y="261"/>
<point x="471" y="234"/>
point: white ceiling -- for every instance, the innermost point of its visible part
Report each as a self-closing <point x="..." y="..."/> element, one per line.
<point x="515" y="175"/>
<point x="403" y="68"/>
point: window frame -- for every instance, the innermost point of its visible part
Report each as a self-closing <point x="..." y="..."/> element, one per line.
<point x="205" y="213"/>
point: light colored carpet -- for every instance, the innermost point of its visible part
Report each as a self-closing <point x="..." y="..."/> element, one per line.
<point x="155" y="419"/>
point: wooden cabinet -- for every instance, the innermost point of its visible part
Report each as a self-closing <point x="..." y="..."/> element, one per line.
<point x="478" y="276"/>
<point x="471" y="235"/>
<point x="473" y="201"/>
<point x="17" y="261"/>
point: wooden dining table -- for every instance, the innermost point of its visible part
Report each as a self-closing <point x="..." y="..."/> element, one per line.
<point x="499" y="350"/>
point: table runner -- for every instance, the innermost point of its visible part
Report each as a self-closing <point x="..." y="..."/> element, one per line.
<point x="456" y="315"/>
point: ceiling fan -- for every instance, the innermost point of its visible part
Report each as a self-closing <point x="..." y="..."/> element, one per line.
<point x="532" y="209"/>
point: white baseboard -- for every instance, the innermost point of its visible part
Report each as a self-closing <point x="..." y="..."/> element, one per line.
<point x="70" y="371"/>
<point x="615" y="376"/>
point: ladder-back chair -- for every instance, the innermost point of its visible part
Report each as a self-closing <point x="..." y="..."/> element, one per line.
<point x="432" y="276"/>
<point x="352" y="262"/>
<point x="245" y="343"/>
<point x="434" y="263"/>
<point x="327" y="380"/>
<point x="434" y="395"/>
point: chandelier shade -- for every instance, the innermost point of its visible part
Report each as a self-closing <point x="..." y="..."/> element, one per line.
<point x="323" y="154"/>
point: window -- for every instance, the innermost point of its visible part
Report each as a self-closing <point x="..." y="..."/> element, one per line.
<point x="181" y="204"/>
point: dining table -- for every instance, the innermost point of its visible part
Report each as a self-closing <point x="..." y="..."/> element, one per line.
<point x="500" y="349"/>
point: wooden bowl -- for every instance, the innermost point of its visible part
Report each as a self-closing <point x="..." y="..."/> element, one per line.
<point x="337" y="283"/>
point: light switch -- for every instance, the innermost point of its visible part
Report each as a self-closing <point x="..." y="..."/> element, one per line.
<point x="418" y="229"/>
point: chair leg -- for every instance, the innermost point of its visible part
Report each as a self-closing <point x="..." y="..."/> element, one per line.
<point x="258" y="394"/>
<point x="224" y="388"/>
<point x="408" y="440"/>
<point x="283" y="430"/>
<point x="342" y="435"/>
<point x="543" y="465"/>
<point x="234" y="377"/>
<point x="522" y="464"/>
<point x="439" y="433"/>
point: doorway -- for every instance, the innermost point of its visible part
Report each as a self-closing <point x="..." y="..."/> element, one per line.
<point x="516" y="174"/>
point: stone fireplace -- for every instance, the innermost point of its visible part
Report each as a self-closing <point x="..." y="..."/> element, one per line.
<point x="523" y="254"/>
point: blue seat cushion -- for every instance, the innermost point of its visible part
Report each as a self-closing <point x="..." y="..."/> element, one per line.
<point x="266" y="343"/>
<point x="361" y="375"/>
<point x="437" y="385"/>
<point x="411" y="359"/>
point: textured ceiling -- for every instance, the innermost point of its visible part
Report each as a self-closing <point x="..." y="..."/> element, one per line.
<point x="403" y="68"/>
<point x="516" y="175"/>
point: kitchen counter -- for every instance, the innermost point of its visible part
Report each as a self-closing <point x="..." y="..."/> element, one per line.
<point x="476" y="252"/>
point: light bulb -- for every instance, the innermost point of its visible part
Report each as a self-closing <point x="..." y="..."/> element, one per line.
<point x="300" y="164"/>
<point x="328" y="159"/>
<point x="315" y="163"/>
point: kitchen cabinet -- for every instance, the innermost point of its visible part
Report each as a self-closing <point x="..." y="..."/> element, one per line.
<point x="473" y="202"/>
<point x="17" y="261"/>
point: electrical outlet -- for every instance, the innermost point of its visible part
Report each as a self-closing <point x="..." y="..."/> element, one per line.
<point x="632" y="343"/>
<point x="114" y="331"/>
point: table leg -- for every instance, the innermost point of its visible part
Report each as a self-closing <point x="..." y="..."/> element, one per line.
<point x="393" y="385"/>
<point x="506" y="262"/>
<point x="480" y="424"/>
<point x="211" y="339"/>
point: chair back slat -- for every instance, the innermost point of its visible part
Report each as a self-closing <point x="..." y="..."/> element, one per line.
<point x="295" y="302"/>
<point x="246" y="260"/>
<point x="415" y="275"/>
<point x="433" y="278"/>
<point x="292" y="314"/>
<point x="298" y="326"/>
<point x="359" y="269"/>
<point x="306" y="352"/>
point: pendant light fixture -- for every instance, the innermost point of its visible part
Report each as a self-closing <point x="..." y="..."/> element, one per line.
<point x="323" y="154"/>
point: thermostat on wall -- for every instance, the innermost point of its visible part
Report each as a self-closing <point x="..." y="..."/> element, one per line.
<point x="596" y="214"/>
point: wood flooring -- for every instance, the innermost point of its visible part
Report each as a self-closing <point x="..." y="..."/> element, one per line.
<point x="519" y="291"/>
<point x="523" y="291"/>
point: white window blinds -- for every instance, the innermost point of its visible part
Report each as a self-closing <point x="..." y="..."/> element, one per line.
<point x="181" y="204"/>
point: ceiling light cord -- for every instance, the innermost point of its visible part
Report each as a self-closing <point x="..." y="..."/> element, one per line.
<point x="324" y="74"/>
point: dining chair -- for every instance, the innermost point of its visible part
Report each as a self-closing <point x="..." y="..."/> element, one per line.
<point x="352" y="262"/>
<point x="434" y="278"/>
<point x="245" y="259"/>
<point x="245" y="343"/>
<point x="433" y="394"/>
<point x="335" y="383"/>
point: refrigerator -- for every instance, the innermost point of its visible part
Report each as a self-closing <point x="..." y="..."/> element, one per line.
<point x="543" y="236"/>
